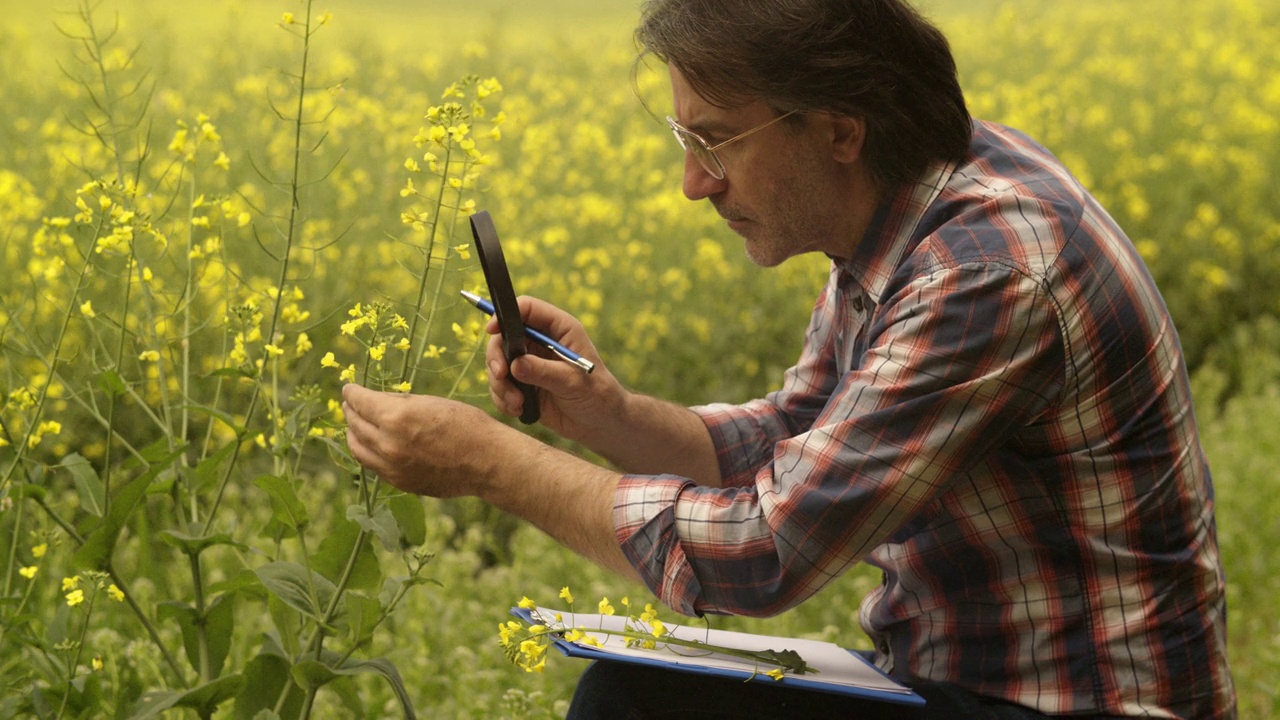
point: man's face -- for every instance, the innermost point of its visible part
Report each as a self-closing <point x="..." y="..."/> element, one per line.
<point x="782" y="189"/>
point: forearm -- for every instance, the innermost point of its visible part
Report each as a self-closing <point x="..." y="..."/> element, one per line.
<point x="566" y="497"/>
<point x="648" y="436"/>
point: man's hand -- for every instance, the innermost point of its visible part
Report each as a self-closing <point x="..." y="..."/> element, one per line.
<point x="441" y="448"/>
<point x="422" y="444"/>
<point x="635" y="432"/>
<point x="573" y="404"/>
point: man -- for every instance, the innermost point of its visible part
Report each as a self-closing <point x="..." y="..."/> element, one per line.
<point x="991" y="404"/>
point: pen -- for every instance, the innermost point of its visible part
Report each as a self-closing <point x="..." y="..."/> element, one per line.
<point x="563" y="352"/>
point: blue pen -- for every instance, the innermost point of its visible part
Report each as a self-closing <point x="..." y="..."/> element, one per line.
<point x="563" y="352"/>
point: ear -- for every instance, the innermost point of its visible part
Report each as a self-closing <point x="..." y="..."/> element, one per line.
<point x="848" y="135"/>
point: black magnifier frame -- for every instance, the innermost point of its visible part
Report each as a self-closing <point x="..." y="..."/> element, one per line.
<point x="503" y="296"/>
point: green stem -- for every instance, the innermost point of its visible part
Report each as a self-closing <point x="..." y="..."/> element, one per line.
<point x="405" y="373"/>
<point x="75" y="661"/>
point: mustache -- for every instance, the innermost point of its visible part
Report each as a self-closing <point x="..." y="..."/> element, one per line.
<point x="728" y="212"/>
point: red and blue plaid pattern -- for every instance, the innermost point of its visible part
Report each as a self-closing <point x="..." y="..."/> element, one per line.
<point x="992" y="407"/>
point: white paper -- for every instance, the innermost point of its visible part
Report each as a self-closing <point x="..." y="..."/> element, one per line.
<point x="834" y="664"/>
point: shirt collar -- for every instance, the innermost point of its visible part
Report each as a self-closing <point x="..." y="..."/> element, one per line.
<point x="892" y="231"/>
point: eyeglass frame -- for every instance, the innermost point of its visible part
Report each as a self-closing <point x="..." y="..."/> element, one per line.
<point x="715" y="168"/>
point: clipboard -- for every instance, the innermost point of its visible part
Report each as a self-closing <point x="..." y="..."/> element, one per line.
<point x="505" y="309"/>
<point x="840" y="671"/>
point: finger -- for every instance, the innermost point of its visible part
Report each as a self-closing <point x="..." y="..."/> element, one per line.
<point x="360" y="439"/>
<point x="555" y="376"/>
<point x="549" y="319"/>
<point x="361" y="402"/>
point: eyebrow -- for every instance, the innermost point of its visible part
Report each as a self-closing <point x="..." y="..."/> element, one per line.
<point x="713" y="127"/>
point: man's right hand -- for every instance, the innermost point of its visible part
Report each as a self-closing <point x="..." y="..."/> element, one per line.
<point x="576" y="405"/>
<point x="637" y="433"/>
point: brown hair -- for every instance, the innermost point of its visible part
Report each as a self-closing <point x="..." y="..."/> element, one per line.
<point x="878" y="60"/>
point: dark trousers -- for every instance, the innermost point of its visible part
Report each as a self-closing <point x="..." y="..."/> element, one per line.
<point x="620" y="691"/>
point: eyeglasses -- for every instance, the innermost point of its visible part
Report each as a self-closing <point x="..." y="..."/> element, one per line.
<point x="704" y="152"/>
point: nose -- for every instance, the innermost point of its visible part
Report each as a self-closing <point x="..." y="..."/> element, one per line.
<point x="698" y="183"/>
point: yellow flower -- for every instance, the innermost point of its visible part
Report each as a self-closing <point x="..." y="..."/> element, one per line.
<point x="29" y="571"/>
<point x="526" y="603"/>
<point x="303" y="346"/>
<point x="39" y="550"/>
<point x="348" y="375"/>
<point x="87" y="309"/>
<point x="775" y="673"/>
<point x="403" y="344"/>
<point x="351" y="326"/>
<point x="403" y="387"/>
<point x="287" y="18"/>
<point x="604" y="607"/>
<point x="75" y="597"/>
<point x="273" y="351"/>
<point x="329" y="361"/>
<point x="566" y="595"/>
<point x="657" y="628"/>
<point x="378" y="351"/>
<point x="116" y="593"/>
<point x="223" y="161"/>
<point x="434" y="351"/>
<point x="149" y="356"/>
<point x="97" y="663"/>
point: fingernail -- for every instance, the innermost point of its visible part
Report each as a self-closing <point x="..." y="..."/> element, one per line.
<point x="493" y="368"/>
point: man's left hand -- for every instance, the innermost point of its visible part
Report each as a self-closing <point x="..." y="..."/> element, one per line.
<point x="421" y="444"/>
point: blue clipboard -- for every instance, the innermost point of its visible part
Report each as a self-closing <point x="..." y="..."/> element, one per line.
<point x="804" y="682"/>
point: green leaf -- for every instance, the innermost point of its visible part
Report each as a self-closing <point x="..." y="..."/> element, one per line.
<point x="195" y="544"/>
<point x="93" y="494"/>
<point x="30" y="491"/>
<point x="221" y="415"/>
<point x="242" y="581"/>
<point x="205" y="474"/>
<point x="218" y="623"/>
<point x="411" y="517"/>
<point x="101" y="542"/>
<point x="288" y="624"/>
<point x="363" y="613"/>
<point x="111" y="383"/>
<point x="288" y="514"/>
<point x="288" y="581"/>
<point x="317" y="674"/>
<point x="204" y="699"/>
<point x="382" y="523"/>
<point x="188" y="620"/>
<point x="233" y="373"/>
<point x="331" y="558"/>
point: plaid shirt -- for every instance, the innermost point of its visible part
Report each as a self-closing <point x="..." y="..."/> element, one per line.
<point x="992" y="407"/>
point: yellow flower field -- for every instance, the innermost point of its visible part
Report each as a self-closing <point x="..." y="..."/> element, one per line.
<point x="212" y="217"/>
